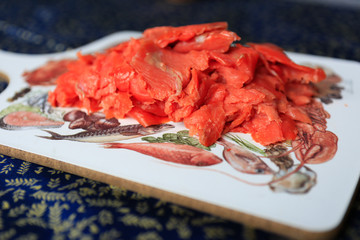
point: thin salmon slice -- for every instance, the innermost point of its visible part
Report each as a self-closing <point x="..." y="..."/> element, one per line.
<point x="165" y="35"/>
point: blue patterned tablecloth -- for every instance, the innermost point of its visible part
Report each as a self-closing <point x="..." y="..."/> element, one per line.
<point x="37" y="202"/>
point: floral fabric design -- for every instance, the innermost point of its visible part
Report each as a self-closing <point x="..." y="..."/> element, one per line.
<point x="38" y="201"/>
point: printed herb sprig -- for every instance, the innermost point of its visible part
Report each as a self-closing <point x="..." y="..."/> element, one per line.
<point x="246" y="144"/>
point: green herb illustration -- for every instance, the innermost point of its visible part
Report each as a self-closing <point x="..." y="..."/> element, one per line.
<point x="181" y="137"/>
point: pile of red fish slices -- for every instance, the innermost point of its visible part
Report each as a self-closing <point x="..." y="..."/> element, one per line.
<point x="197" y="74"/>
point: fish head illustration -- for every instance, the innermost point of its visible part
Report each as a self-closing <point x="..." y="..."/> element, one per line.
<point x="262" y="168"/>
<point x="204" y="158"/>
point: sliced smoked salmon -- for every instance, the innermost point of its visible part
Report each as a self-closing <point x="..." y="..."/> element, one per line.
<point x="199" y="74"/>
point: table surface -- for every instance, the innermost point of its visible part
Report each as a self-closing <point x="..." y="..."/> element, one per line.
<point x="37" y="202"/>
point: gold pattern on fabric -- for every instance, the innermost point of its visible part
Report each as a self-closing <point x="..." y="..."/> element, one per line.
<point x="71" y="207"/>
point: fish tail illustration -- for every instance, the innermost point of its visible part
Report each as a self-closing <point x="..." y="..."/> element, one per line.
<point x="54" y="135"/>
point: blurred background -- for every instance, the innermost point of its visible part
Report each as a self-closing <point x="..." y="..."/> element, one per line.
<point x="319" y="27"/>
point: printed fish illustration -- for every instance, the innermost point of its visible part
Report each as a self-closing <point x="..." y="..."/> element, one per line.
<point x="171" y="152"/>
<point x="21" y="120"/>
<point x="243" y="160"/>
<point x="112" y="134"/>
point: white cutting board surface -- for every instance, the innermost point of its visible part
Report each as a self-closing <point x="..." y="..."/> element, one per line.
<point x="222" y="189"/>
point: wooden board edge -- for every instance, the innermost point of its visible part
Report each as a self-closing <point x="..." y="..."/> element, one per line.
<point x="226" y="213"/>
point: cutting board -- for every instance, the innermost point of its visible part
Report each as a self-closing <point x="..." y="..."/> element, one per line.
<point x="220" y="189"/>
